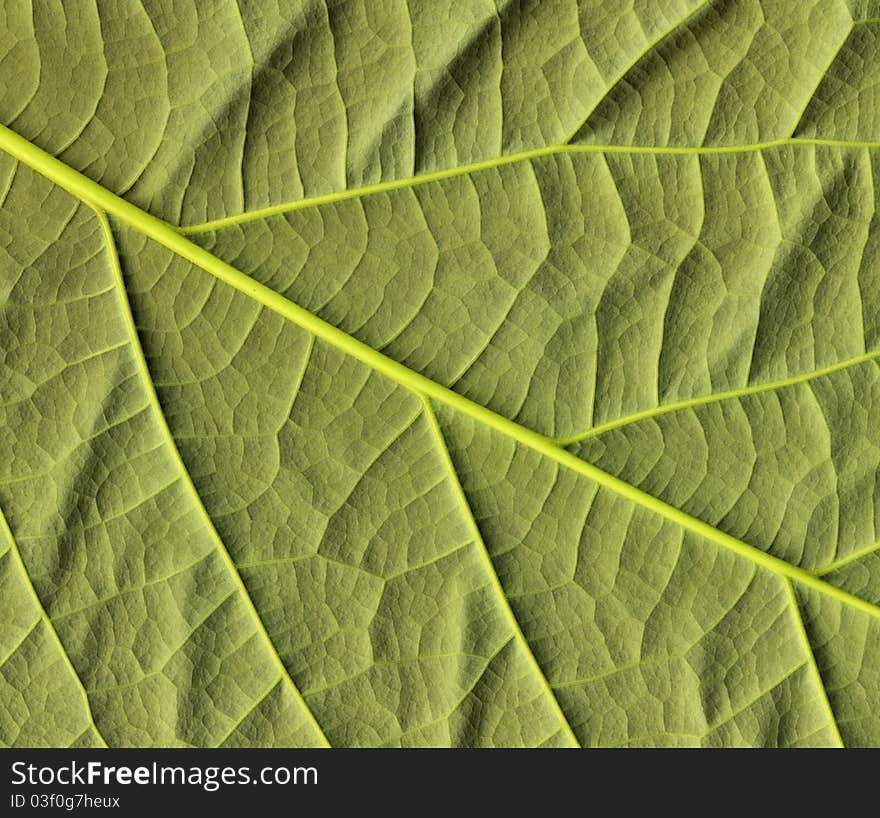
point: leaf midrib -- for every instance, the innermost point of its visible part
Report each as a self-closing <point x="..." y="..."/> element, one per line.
<point x="170" y="237"/>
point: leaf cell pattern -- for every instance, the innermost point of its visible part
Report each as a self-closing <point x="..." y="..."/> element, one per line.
<point x="439" y="374"/>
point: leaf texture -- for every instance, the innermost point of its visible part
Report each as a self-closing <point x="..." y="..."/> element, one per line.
<point x="439" y="374"/>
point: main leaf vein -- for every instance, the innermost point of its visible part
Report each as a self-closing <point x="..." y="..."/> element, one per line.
<point x="171" y="238"/>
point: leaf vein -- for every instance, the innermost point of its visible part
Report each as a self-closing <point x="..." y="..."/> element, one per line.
<point x="6" y="532"/>
<point x="187" y="478"/>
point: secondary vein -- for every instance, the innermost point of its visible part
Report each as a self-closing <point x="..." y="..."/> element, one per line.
<point x="493" y="575"/>
<point x="717" y="397"/>
<point x="811" y="660"/>
<point x="500" y="161"/>
<point x="6" y="532"/>
<point x="171" y="445"/>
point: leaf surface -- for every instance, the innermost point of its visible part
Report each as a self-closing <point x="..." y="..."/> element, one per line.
<point x="439" y="374"/>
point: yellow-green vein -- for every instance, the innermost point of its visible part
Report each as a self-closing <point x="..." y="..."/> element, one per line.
<point x="172" y="239"/>
<point x="185" y="475"/>
<point x="493" y="575"/>
<point x="501" y="161"/>
<point x="704" y="400"/>
<point x="643" y="52"/>
<point x="811" y="659"/>
<point x="6" y="532"/>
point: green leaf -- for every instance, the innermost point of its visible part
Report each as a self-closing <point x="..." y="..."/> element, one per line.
<point x="440" y="374"/>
